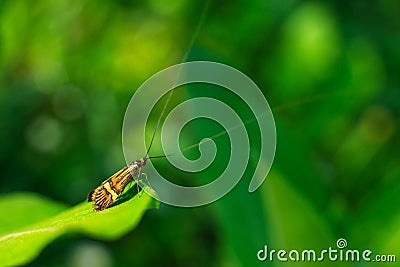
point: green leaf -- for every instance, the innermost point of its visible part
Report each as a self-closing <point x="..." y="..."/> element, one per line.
<point x="35" y="222"/>
<point x="21" y="209"/>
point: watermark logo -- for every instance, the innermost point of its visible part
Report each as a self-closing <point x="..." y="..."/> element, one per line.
<point x="151" y="91"/>
<point x="341" y="243"/>
<point x="338" y="253"/>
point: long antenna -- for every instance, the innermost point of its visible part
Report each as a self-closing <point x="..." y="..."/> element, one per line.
<point x="159" y="120"/>
<point x="185" y="56"/>
<point x="298" y="102"/>
<point x="163" y="156"/>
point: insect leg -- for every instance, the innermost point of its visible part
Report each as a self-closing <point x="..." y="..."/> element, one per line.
<point x="145" y="175"/>
<point x="137" y="181"/>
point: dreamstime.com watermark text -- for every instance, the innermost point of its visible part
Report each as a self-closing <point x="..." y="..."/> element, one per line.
<point x="339" y="253"/>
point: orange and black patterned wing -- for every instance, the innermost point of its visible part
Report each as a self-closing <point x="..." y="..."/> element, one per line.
<point x="102" y="198"/>
<point x="105" y="194"/>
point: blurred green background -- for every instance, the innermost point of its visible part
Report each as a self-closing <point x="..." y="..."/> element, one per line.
<point x="328" y="69"/>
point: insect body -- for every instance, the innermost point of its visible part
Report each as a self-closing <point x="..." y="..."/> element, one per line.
<point x="108" y="191"/>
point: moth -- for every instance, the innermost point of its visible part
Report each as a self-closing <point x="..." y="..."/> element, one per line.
<point x="108" y="191"/>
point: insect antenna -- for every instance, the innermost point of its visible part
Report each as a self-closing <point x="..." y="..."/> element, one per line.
<point x="185" y="56"/>
<point x="159" y="157"/>
<point x="159" y="121"/>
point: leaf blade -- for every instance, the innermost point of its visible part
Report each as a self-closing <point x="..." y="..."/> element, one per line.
<point x="21" y="246"/>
